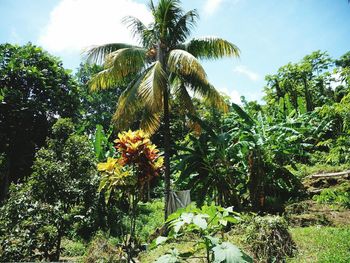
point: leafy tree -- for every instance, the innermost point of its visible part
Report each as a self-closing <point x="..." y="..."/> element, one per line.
<point x="34" y="90"/>
<point x="301" y="86"/>
<point x="336" y="141"/>
<point x="165" y="67"/>
<point x="61" y="191"/>
<point x="27" y="227"/>
<point x="95" y="108"/>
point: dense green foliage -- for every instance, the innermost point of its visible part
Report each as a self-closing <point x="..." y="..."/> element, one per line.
<point x="206" y="222"/>
<point x="95" y="108"/>
<point x="252" y="156"/>
<point x="165" y="65"/>
<point x="337" y="196"/>
<point x="34" y="90"/>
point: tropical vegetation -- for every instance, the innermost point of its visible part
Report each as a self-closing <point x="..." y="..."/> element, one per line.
<point x="89" y="161"/>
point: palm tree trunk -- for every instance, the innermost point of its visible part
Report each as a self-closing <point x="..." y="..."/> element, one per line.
<point x="166" y="152"/>
<point x="162" y="60"/>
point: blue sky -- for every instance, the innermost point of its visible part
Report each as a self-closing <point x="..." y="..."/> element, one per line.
<point x="269" y="33"/>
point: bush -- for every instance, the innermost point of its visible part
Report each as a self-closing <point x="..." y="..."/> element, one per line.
<point x="151" y="217"/>
<point x="28" y="230"/>
<point x="60" y="194"/>
<point x="72" y="248"/>
<point x="335" y="196"/>
<point x="101" y="250"/>
<point x="269" y="239"/>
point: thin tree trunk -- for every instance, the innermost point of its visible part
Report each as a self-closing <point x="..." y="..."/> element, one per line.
<point x="162" y="60"/>
<point x="4" y="179"/>
<point x="166" y="152"/>
<point x="56" y="256"/>
<point x="256" y="176"/>
<point x="309" y="104"/>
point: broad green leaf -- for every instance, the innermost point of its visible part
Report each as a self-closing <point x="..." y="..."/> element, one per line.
<point x="98" y="141"/>
<point x="231" y="219"/>
<point x="213" y="240"/>
<point x="223" y="222"/>
<point x="178" y="225"/>
<point x="229" y="253"/>
<point x="156" y="242"/>
<point x="160" y="240"/>
<point x="187" y="217"/>
<point x="199" y="220"/>
<point x="172" y="257"/>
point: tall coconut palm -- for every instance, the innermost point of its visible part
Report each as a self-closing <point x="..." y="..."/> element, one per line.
<point x="164" y="66"/>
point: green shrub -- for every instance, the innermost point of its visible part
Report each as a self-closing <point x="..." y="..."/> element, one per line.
<point x="335" y="196"/>
<point x="60" y="194"/>
<point x="72" y="248"/>
<point x="206" y="225"/>
<point x="269" y="239"/>
<point x="101" y="250"/>
<point x="28" y="229"/>
<point x="151" y="217"/>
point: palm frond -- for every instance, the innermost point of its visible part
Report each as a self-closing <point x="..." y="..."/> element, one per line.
<point x="129" y="103"/>
<point x="151" y="120"/>
<point x="127" y="60"/>
<point x="97" y="54"/>
<point x="139" y="30"/>
<point x="118" y="65"/>
<point x="211" y="48"/>
<point x="185" y="98"/>
<point x="103" y="79"/>
<point x="166" y="15"/>
<point x="206" y="91"/>
<point x="185" y="64"/>
<point x="183" y="27"/>
<point x="153" y="85"/>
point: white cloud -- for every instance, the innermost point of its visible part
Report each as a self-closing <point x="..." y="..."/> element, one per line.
<point x="233" y="94"/>
<point x="212" y="5"/>
<point x="77" y="24"/>
<point x="243" y="70"/>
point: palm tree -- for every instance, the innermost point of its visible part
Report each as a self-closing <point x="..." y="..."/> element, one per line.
<point x="163" y="66"/>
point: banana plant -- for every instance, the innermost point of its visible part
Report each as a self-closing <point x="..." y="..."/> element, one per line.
<point x="268" y="147"/>
<point x="103" y="147"/>
<point x="209" y="166"/>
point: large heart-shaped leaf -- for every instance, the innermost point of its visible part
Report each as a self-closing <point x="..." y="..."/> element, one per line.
<point x="199" y="220"/>
<point x="172" y="257"/>
<point x="229" y="253"/>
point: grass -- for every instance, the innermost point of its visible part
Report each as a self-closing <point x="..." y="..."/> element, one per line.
<point x="322" y="244"/>
<point x="315" y="244"/>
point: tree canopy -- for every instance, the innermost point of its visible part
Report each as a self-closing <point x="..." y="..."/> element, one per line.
<point x="34" y="91"/>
